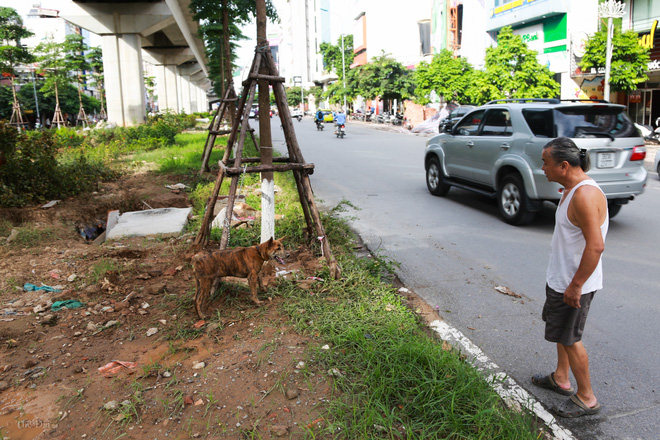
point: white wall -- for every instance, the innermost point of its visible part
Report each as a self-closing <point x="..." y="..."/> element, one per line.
<point x="475" y="39"/>
<point x="392" y="27"/>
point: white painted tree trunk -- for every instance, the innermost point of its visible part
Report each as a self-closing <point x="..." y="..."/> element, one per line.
<point x="267" y="209"/>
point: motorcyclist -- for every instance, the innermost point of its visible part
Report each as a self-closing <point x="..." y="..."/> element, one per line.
<point x="318" y="118"/>
<point x="340" y="119"/>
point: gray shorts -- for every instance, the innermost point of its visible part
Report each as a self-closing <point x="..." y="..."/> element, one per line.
<point x="563" y="323"/>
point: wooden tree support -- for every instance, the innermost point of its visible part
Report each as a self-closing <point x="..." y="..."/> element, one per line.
<point x="16" y="113"/>
<point x="294" y="162"/>
<point x="102" y="114"/>
<point x="82" y="116"/>
<point x="226" y="109"/>
<point x="57" y="116"/>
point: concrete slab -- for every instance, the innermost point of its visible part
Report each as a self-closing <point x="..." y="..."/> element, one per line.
<point x="163" y="221"/>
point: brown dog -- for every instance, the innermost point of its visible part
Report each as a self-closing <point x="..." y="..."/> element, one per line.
<point x="238" y="262"/>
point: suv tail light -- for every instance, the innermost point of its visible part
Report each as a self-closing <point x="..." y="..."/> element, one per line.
<point x="638" y="152"/>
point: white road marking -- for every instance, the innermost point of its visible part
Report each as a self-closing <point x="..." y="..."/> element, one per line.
<point x="512" y="393"/>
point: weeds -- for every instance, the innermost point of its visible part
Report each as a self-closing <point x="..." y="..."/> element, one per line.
<point x="29" y="237"/>
<point x="101" y="269"/>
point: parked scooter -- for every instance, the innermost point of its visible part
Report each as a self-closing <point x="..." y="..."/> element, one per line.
<point x="398" y="119"/>
<point x="648" y="133"/>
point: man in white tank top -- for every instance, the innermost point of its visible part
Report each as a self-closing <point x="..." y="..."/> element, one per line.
<point x="574" y="273"/>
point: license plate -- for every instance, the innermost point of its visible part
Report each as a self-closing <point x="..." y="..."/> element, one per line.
<point x="605" y="160"/>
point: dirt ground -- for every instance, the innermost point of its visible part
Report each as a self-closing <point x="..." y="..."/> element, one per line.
<point x="241" y="374"/>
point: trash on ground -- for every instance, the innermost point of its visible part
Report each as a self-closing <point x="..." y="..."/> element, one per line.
<point x="50" y="204"/>
<point x="430" y="125"/>
<point x="177" y="186"/>
<point x="69" y="304"/>
<point x="115" y="367"/>
<point x="93" y="230"/>
<point x="28" y="287"/>
<point x="507" y="291"/>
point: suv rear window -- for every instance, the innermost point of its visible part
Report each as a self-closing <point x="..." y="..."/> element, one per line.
<point x="580" y="121"/>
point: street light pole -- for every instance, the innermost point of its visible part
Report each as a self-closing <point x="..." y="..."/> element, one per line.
<point x="343" y="62"/>
<point x="610" y="9"/>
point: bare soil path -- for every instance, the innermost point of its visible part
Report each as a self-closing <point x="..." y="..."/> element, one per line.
<point x="241" y="373"/>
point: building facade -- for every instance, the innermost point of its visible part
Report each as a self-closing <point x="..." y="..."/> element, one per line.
<point x="643" y="16"/>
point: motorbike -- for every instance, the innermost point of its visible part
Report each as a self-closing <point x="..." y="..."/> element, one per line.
<point x="648" y="133"/>
<point x="299" y="118"/>
<point x="319" y="125"/>
<point x="341" y="131"/>
<point x="398" y="119"/>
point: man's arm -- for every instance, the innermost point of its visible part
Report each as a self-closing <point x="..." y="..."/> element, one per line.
<point x="587" y="211"/>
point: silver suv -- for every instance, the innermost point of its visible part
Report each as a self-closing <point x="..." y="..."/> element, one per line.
<point x="496" y="149"/>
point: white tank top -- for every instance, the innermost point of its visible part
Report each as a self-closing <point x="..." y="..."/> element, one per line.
<point x="567" y="247"/>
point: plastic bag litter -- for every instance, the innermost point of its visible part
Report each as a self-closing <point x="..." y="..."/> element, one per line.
<point x="115" y="367"/>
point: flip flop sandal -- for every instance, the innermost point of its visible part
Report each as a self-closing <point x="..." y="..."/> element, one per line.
<point x="549" y="383"/>
<point x="574" y="407"/>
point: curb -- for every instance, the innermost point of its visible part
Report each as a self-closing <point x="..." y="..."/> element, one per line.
<point x="511" y="392"/>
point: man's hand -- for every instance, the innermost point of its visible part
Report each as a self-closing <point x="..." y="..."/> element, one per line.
<point x="572" y="296"/>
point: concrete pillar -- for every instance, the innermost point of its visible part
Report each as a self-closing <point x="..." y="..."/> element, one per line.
<point x="203" y="105"/>
<point x="166" y="29"/>
<point x="168" y="96"/>
<point x="185" y="93"/>
<point x="194" y="90"/>
<point x="166" y="60"/>
<point x="122" y="66"/>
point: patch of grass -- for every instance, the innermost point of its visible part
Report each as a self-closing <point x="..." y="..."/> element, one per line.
<point x="29" y="236"/>
<point x="185" y="155"/>
<point x="5" y="227"/>
<point x="394" y="379"/>
<point x="100" y="269"/>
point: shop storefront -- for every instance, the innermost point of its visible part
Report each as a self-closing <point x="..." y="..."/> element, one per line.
<point x="644" y="103"/>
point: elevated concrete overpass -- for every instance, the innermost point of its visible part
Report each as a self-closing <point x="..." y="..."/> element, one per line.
<point x="160" y="32"/>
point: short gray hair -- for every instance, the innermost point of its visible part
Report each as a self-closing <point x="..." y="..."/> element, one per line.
<point x="564" y="149"/>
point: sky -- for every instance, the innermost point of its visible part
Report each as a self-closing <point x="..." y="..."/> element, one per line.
<point x="22" y="7"/>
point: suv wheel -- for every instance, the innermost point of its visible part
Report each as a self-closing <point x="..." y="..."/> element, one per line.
<point x="613" y="209"/>
<point x="512" y="201"/>
<point x="435" y="179"/>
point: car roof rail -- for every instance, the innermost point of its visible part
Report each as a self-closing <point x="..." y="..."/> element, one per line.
<point x="585" y="100"/>
<point x="523" y="100"/>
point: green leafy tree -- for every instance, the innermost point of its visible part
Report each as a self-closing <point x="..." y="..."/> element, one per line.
<point x="220" y="28"/>
<point x="68" y="97"/>
<point x="332" y="60"/>
<point x="95" y="77"/>
<point x="12" y="53"/>
<point x="332" y="55"/>
<point x="384" y="77"/>
<point x="11" y="32"/>
<point x="629" y="58"/>
<point x="52" y="58"/>
<point x="150" y="87"/>
<point x="292" y="96"/>
<point x="448" y="76"/>
<point x="74" y="47"/>
<point x="512" y="71"/>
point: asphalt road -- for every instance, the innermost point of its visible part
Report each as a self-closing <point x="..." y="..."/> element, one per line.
<point x="453" y="251"/>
